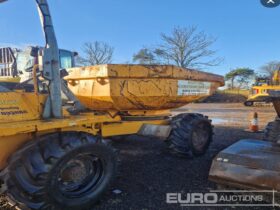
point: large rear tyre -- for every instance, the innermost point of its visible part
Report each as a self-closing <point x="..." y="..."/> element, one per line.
<point x="272" y="132"/>
<point x="60" y="171"/>
<point x="191" y="135"/>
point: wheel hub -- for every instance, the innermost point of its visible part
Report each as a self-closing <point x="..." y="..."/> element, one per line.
<point x="75" y="172"/>
<point x="79" y="174"/>
<point x="200" y="136"/>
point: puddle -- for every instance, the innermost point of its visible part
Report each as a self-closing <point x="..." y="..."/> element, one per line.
<point x="219" y="121"/>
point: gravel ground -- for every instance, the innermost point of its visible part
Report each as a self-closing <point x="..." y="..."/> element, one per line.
<point x="147" y="171"/>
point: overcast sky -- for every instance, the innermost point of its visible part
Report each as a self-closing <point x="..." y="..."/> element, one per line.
<point x="248" y="34"/>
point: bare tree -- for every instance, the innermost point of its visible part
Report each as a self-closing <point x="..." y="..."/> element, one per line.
<point x="270" y="68"/>
<point x="96" y="53"/>
<point x="186" y="47"/>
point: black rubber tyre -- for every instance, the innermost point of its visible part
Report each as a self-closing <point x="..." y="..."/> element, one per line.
<point x="60" y="171"/>
<point x="272" y="132"/>
<point x="248" y="103"/>
<point x="118" y="138"/>
<point x="191" y="135"/>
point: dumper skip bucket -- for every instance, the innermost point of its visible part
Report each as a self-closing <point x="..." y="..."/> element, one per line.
<point x="140" y="87"/>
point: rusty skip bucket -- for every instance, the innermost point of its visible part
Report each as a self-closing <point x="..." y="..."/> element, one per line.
<point x="140" y="87"/>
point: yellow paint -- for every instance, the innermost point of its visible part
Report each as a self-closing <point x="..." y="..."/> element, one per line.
<point x="135" y="87"/>
<point x="150" y="113"/>
<point x="10" y="79"/>
<point x="276" y="77"/>
<point x="127" y="127"/>
<point x="11" y="128"/>
<point x="19" y="106"/>
<point x="261" y="91"/>
<point x="13" y="135"/>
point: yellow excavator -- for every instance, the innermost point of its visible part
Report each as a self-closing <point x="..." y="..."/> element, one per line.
<point x="259" y="92"/>
<point x="55" y="155"/>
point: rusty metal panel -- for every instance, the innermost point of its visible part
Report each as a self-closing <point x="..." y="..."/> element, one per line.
<point x="251" y="164"/>
<point x="159" y="131"/>
<point x="275" y="98"/>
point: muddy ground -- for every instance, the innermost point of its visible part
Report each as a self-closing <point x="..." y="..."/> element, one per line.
<point x="220" y="97"/>
<point x="147" y="171"/>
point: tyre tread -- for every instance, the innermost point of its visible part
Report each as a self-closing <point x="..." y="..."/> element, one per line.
<point x="179" y="140"/>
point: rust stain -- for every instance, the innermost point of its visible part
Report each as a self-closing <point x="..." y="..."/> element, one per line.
<point x="137" y="87"/>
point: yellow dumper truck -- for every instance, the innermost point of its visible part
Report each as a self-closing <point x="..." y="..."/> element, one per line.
<point x="54" y="153"/>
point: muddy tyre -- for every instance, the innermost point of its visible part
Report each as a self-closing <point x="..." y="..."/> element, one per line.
<point x="191" y="135"/>
<point x="272" y="132"/>
<point x="60" y="171"/>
